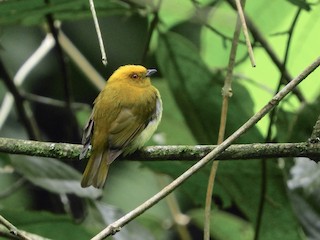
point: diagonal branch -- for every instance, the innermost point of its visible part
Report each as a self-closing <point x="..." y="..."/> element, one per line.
<point x="13" y="230"/>
<point x="117" y="225"/>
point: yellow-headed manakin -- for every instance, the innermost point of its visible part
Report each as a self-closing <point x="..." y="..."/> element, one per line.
<point x="125" y="115"/>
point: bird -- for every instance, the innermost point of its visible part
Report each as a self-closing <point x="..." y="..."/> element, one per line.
<point x="125" y="115"/>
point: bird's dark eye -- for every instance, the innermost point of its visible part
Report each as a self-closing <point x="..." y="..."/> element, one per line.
<point x="134" y="76"/>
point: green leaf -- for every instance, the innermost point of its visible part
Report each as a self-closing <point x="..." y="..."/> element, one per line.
<point x="132" y="230"/>
<point x="295" y="127"/>
<point x="198" y="92"/>
<point x="53" y="176"/>
<point x="46" y="224"/>
<point x="301" y="4"/>
<point x="303" y="174"/>
<point x="306" y="205"/>
<point x="224" y="226"/>
<point x="4" y="160"/>
<point x="33" y="11"/>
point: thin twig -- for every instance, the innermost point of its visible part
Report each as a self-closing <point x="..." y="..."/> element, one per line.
<point x="226" y="94"/>
<point x="117" y="225"/>
<point x="53" y="102"/>
<point x="7" y="235"/>
<point x="258" y="36"/>
<point x="12" y="229"/>
<point x="245" y="32"/>
<point x="96" y="25"/>
<point x="224" y="37"/>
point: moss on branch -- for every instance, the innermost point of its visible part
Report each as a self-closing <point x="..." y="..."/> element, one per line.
<point x="181" y="152"/>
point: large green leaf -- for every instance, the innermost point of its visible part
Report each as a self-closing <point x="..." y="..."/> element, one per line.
<point x="197" y="92"/>
<point x="132" y="230"/>
<point x="46" y="224"/>
<point x="303" y="173"/>
<point x="297" y="127"/>
<point x="301" y="4"/>
<point x="34" y="11"/>
<point x="53" y="176"/>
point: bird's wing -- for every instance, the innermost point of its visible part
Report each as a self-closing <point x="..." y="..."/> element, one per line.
<point x="122" y="132"/>
<point x="86" y="137"/>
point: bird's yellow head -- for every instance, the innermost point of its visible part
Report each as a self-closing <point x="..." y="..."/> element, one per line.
<point x="133" y="74"/>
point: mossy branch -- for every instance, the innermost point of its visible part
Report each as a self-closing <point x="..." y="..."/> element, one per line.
<point x="67" y="151"/>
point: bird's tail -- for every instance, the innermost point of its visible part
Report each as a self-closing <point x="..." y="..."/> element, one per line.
<point x="96" y="171"/>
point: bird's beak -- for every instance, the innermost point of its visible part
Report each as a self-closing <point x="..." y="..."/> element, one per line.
<point x="150" y="72"/>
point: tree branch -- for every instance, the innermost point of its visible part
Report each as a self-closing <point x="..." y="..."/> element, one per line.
<point x="67" y="151"/>
<point x="13" y="230"/>
<point x="9" y="231"/>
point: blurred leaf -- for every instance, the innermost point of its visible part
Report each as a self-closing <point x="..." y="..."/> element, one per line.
<point x="34" y="11"/>
<point x="198" y="92"/>
<point x="301" y="4"/>
<point x="122" y="193"/>
<point x="307" y="211"/>
<point x="132" y="230"/>
<point x="304" y="185"/>
<point x="46" y="224"/>
<point x="295" y="127"/>
<point x="190" y="30"/>
<point x="4" y="160"/>
<point x="194" y="89"/>
<point x="53" y="176"/>
<point x="303" y="181"/>
<point x="305" y="174"/>
<point x="82" y="116"/>
<point x="224" y="226"/>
